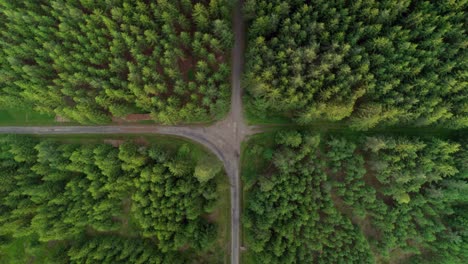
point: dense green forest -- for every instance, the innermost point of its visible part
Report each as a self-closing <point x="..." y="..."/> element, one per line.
<point x="366" y="62"/>
<point x="344" y="199"/>
<point x="132" y="203"/>
<point x="89" y="61"/>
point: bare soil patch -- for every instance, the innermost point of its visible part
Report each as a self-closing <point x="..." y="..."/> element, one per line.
<point x="371" y="180"/>
<point x="363" y="223"/>
<point x="61" y="119"/>
<point x="138" y="117"/>
<point x="114" y="142"/>
<point x="185" y="65"/>
<point x="213" y="217"/>
<point x="131" y="118"/>
<point x="141" y="141"/>
<point x="398" y="256"/>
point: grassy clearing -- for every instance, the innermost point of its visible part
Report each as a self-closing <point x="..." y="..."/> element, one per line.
<point x="24" y="117"/>
<point x="171" y="143"/>
<point x="29" y="117"/>
<point x="254" y="117"/>
<point x="24" y="250"/>
<point x="252" y="163"/>
<point x="224" y="216"/>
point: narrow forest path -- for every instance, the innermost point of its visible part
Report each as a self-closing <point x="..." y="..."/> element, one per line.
<point x="223" y="138"/>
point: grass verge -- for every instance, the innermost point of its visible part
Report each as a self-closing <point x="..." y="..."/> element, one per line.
<point x="27" y="250"/>
<point x="24" y="117"/>
<point x="252" y="165"/>
<point x="255" y="117"/>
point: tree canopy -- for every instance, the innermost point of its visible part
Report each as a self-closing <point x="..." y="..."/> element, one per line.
<point x="368" y="62"/>
<point x="334" y="199"/>
<point x="128" y="204"/>
<point x="89" y="61"/>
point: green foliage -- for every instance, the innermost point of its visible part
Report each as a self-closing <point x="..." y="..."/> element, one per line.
<point x="19" y="116"/>
<point x="289" y="138"/>
<point x="350" y="201"/>
<point x="451" y="245"/>
<point x="114" y="249"/>
<point x="368" y="63"/>
<point x="206" y="169"/>
<point x="90" y="61"/>
<point x="405" y="165"/>
<point x="62" y="192"/>
<point x="397" y="184"/>
<point x="30" y="250"/>
<point x="177" y="201"/>
<point x="289" y="215"/>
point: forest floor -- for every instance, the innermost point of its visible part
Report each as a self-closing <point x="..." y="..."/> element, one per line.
<point x="14" y="252"/>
